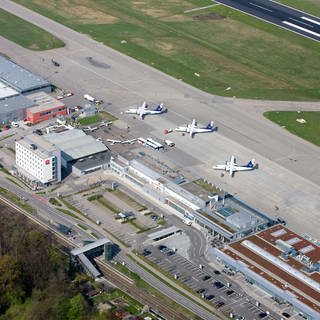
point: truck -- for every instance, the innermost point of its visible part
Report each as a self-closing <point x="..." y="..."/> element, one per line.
<point x="92" y="99"/>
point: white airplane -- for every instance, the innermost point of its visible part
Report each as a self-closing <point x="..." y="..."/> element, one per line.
<point x="90" y="129"/>
<point x="193" y="128"/>
<point x="132" y="141"/>
<point x="114" y="141"/>
<point x="105" y="123"/>
<point x="231" y="166"/>
<point x="143" y="111"/>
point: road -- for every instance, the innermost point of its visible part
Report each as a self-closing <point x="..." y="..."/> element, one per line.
<point x="280" y="15"/>
<point x="286" y="177"/>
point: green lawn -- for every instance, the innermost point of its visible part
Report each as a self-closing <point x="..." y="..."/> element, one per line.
<point x="101" y="116"/>
<point x="26" y="34"/>
<point x="218" y="50"/>
<point x="309" y="131"/>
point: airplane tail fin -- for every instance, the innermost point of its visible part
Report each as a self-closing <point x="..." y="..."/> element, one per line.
<point x="159" y="107"/>
<point x="210" y="125"/>
<point x="251" y="163"/>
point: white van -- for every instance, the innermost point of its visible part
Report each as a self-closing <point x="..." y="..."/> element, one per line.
<point x="169" y="143"/>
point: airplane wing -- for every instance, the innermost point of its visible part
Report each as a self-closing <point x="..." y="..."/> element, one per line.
<point x="220" y="167"/>
<point x="181" y="129"/>
<point x="129" y="141"/>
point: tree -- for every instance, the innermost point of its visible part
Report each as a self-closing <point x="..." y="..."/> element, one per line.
<point x="77" y="307"/>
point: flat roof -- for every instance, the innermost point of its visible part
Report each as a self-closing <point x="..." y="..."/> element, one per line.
<point x="14" y="103"/>
<point x="89" y="266"/>
<point x="44" y="102"/>
<point x="261" y="252"/>
<point x="43" y="147"/>
<point x="90" y="246"/>
<point x="96" y="160"/>
<point x="19" y="78"/>
<point x="163" y="232"/>
<point x="197" y="190"/>
<point x="6" y="91"/>
<point x="75" y="144"/>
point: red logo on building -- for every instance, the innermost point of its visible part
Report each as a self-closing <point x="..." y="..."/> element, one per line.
<point x="47" y="161"/>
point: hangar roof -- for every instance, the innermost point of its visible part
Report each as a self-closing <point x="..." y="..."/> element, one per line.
<point x="19" y="78"/>
<point x="6" y="92"/>
<point x="15" y="103"/>
<point x="75" y="144"/>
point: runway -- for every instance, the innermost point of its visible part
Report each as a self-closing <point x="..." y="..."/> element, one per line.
<point x="286" y="178"/>
<point x="280" y="15"/>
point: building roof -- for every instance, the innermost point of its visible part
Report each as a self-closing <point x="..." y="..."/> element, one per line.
<point x="43" y="147"/>
<point x="164" y="232"/>
<point x="75" y="144"/>
<point x="43" y="102"/>
<point x="90" y="246"/>
<point x="93" y="161"/>
<point x="197" y="190"/>
<point x="19" y="78"/>
<point x="89" y="266"/>
<point x="14" y="103"/>
<point x="274" y="263"/>
<point x="6" y="91"/>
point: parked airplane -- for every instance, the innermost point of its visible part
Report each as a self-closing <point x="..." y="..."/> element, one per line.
<point x="143" y="111"/>
<point x="90" y="129"/>
<point x="193" y="128"/>
<point x="231" y="166"/>
<point x="114" y="141"/>
<point x="132" y="141"/>
<point x="105" y="123"/>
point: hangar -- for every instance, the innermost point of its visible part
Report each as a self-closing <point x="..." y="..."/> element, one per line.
<point x="15" y="83"/>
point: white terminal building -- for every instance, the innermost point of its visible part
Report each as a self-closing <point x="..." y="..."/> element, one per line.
<point x="38" y="159"/>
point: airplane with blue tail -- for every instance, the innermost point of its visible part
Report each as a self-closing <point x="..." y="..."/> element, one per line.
<point x="194" y="128"/>
<point x="143" y="110"/>
<point x="231" y="166"/>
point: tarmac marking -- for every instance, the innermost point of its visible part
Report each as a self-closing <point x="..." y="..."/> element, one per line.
<point x="311" y="20"/>
<point x="301" y="28"/>
<point x="263" y="8"/>
<point x="309" y="25"/>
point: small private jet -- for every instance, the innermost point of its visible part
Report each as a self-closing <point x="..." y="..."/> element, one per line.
<point x="194" y="128"/>
<point x="105" y="123"/>
<point x="231" y="166"/>
<point x="143" y="110"/>
<point x="91" y="129"/>
<point x="112" y="142"/>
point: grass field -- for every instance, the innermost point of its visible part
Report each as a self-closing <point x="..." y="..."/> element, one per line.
<point x="309" y="131"/>
<point x="26" y="34"/>
<point x="218" y="50"/>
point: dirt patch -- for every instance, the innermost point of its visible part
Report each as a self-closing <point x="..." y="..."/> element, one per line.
<point x="156" y="13"/>
<point x="209" y="16"/>
<point x="165" y="47"/>
<point x="82" y="11"/>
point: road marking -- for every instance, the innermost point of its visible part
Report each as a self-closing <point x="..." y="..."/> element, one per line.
<point x="200" y="8"/>
<point x="301" y="28"/>
<point x="256" y="5"/>
<point x="309" y="25"/>
<point x="311" y="20"/>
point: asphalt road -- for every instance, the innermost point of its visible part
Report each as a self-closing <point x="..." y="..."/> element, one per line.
<point x="286" y="176"/>
<point x="280" y="15"/>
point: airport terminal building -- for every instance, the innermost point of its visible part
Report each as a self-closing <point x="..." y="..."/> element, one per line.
<point x="222" y="215"/>
<point x="281" y="262"/>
